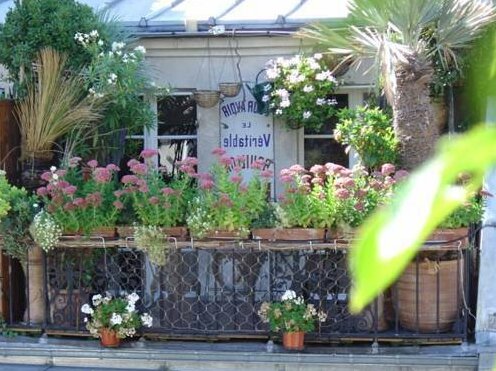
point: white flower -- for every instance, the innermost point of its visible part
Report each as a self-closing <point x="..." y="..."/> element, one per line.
<point x="265" y="98"/>
<point x="272" y="73"/>
<point x="94" y="34"/>
<point x="320" y="101"/>
<point x="86" y="309"/>
<point x="267" y="87"/>
<point x="91" y="91"/>
<point x="332" y="102"/>
<point x="53" y="169"/>
<point x="307" y="114"/>
<point x="147" y="320"/>
<point x="285" y="103"/>
<point x="308" y="88"/>
<point x="85" y="319"/>
<point x="118" y="52"/>
<point x="283" y="93"/>
<point x="140" y="49"/>
<point x="100" y="42"/>
<point x="35" y="205"/>
<point x="116" y="319"/>
<point x="130" y="307"/>
<point x="278" y="111"/>
<point x="99" y="95"/>
<point x="96" y="299"/>
<point x="288" y="295"/>
<point x="317" y="56"/>
<point x="133" y="298"/>
<point x="117" y="46"/>
<point x="55" y="176"/>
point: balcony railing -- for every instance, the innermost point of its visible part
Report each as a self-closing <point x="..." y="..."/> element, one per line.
<point x="214" y="289"/>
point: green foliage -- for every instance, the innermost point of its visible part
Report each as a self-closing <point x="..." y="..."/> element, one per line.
<point x="299" y="91"/>
<point x="14" y="225"/>
<point x="34" y="24"/>
<point x="470" y="212"/>
<point x="370" y="132"/>
<point x="291" y="314"/>
<point x="116" y="79"/>
<point x="390" y="238"/>
<point x="267" y="217"/>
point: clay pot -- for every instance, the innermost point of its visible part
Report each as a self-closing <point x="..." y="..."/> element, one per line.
<point x="108" y="338"/>
<point x="293" y="340"/>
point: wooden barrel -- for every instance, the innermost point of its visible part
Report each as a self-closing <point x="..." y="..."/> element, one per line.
<point x="429" y="307"/>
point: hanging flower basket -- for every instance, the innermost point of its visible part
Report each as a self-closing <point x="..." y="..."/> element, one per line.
<point x="206" y="98"/>
<point x="229" y="89"/>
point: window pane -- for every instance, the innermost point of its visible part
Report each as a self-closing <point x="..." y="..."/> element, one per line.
<point x="320" y="151"/>
<point x="176" y="115"/>
<point x="171" y="151"/>
<point x="328" y="127"/>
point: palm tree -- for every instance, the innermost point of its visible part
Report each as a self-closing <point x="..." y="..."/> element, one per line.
<point x="402" y="37"/>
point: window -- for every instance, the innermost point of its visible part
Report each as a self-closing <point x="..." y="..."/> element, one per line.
<point x="176" y="129"/>
<point x="320" y="146"/>
<point x="175" y="136"/>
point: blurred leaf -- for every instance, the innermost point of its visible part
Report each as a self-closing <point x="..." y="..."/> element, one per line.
<point x="389" y="240"/>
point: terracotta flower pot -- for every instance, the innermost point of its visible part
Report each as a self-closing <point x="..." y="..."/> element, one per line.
<point x="108" y="338"/>
<point x="293" y="340"/>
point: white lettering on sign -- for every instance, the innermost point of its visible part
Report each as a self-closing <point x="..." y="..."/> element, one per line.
<point x="246" y="133"/>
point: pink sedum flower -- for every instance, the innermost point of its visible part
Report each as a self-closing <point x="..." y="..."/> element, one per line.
<point x="219" y="151"/>
<point x="93" y="163"/>
<point x="129" y="179"/>
<point x="387" y="169"/>
<point x="118" y="205"/>
<point x="148" y="153"/>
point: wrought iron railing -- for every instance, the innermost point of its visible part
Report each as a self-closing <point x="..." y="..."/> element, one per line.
<point x="216" y="288"/>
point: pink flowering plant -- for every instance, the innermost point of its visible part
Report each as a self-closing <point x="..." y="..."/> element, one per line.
<point x="225" y="200"/>
<point x="291" y="314"/>
<point x="300" y="90"/>
<point x="308" y="200"/>
<point x="358" y="193"/>
<point x="78" y="204"/>
<point x="156" y="201"/>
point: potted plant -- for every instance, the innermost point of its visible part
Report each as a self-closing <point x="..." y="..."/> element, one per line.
<point x="358" y="193"/>
<point x="369" y="131"/>
<point x="307" y="206"/>
<point x="155" y="200"/>
<point x="291" y="316"/>
<point x="226" y="204"/>
<point x="299" y="89"/>
<point x="50" y="110"/>
<point x="437" y="269"/>
<point x="79" y="205"/>
<point x="114" y="318"/>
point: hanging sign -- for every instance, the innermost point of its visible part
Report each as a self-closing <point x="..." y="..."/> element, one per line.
<point x="246" y="134"/>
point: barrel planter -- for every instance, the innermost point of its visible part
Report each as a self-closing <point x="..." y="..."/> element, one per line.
<point x="434" y="314"/>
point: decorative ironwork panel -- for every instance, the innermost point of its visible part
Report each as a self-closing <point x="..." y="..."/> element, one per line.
<point x="216" y="291"/>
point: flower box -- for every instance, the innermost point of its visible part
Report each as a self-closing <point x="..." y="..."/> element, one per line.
<point x="289" y="234"/>
<point x="227" y="235"/>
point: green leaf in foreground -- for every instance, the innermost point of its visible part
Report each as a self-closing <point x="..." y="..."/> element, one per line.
<point x="390" y="238"/>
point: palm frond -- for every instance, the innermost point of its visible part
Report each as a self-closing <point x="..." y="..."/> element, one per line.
<point x="53" y="106"/>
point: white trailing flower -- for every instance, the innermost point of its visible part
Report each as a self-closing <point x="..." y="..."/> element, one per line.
<point x="86" y="309"/>
<point x="53" y="169"/>
<point x="308" y="88"/>
<point x="133" y="297"/>
<point x="147" y="320"/>
<point x="117" y="46"/>
<point x="288" y="295"/>
<point x="130" y="307"/>
<point x="307" y="114"/>
<point x="97" y="300"/>
<point x="45" y="230"/>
